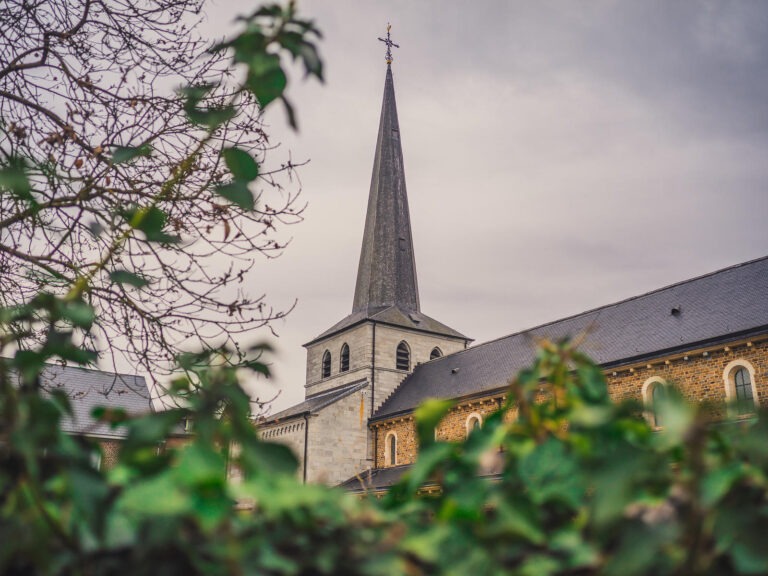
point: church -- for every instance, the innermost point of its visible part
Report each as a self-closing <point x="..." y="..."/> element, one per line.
<point x="366" y="374"/>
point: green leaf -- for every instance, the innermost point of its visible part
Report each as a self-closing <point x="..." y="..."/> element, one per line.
<point x="241" y="164"/>
<point x="151" y="221"/>
<point x="212" y="116"/>
<point x="271" y="458"/>
<point x="428" y="416"/>
<point x="29" y="363"/>
<point x="152" y="428"/>
<point x="313" y="65"/>
<point x="201" y="466"/>
<point x="552" y="474"/>
<point x="430" y="458"/>
<point x="290" y="113"/>
<point x="539" y="565"/>
<point x="123" y="154"/>
<point x="59" y="343"/>
<point x="79" y="313"/>
<point x="719" y="481"/>
<point x="266" y="79"/>
<point x="13" y="177"/>
<point x="237" y="192"/>
<point x="125" y="277"/>
<point x="158" y="496"/>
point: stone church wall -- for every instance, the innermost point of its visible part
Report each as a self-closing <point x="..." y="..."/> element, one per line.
<point x="338" y="440"/>
<point x="360" y="351"/>
<point x="699" y="375"/>
<point x="421" y="345"/>
<point x="291" y="433"/>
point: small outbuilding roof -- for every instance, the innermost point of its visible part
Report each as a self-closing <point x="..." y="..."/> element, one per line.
<point x="317" y="402"/>
<point x="88" y="389"/>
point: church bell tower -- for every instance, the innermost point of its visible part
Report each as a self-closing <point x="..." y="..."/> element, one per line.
<point x="358" y="362"/>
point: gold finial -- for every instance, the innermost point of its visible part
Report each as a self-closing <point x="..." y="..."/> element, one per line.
<point x="389" y="44"/>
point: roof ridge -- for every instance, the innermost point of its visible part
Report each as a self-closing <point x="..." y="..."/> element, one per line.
<point x="87" y="369"/>
<point x="604" y="306"/>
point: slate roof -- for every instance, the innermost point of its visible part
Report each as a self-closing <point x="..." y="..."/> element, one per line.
<point x="386" y="275"/>
<point x="317" y="402"/>
<point x="716" y="307"/>
<point x="88" y="389"/>
<point x="386" y="289"/>
<point x="375" y="479"/>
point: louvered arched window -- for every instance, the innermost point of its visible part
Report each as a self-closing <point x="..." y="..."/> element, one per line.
<point x="436" y="353"/>
<point x="344" y="358"/>
<point x="326" y="364"/>
<point x="403" y="356"/>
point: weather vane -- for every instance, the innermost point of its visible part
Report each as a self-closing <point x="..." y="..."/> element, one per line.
<point x="388" y="43"/>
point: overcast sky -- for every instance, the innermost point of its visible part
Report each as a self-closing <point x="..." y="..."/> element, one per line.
<point x="559" y="156"/>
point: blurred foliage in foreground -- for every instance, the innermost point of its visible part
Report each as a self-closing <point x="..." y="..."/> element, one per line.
<point x="586" y="487"/>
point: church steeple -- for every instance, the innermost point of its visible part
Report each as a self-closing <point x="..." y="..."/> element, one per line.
<point x="386" y="275"/>
<point x="386" y="291"/>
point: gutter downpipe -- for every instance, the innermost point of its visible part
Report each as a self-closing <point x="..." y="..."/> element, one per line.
<point x="306" y="443"/>
<point x="373" y="394"/>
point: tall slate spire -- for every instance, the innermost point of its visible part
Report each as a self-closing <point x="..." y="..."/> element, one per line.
<point x="386" y="275"/>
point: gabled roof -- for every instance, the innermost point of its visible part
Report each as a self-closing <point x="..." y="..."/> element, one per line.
<point x="88" y="389"/>
<point x="317" y="402"/>
<point x="715" y="307"/>
<point x="395" y="317"/>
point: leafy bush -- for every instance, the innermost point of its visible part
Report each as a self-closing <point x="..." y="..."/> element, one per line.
<point x="579" y="485"/>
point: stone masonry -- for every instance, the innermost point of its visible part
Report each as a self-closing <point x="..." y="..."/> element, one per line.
<point x="700" y="376"/>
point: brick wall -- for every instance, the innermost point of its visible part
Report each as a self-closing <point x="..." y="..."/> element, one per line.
<point x="110" y="450"/>
<point x="698" y="375"/>
<point x="407" y="446"/>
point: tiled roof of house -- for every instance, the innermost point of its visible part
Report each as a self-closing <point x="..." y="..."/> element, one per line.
<point x="88" y="389"/>
<point x="715" y="307"/>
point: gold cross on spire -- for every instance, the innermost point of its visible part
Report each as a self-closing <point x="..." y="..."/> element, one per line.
<point x="388" y="43"/>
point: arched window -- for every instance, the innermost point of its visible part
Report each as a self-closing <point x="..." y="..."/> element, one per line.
<point x="436" y="353"/>
<point x="326" y="364"/>
<point x="739" y="377"/>
<point x="474" y="421"/>
<point x="655" y="393"/>
<point x="390" y="450"/>
<point x="403" y="358"/>
<point x="344" y="362"/>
